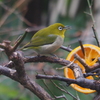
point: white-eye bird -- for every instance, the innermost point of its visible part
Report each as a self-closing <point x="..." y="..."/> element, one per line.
<point x="47" y="40"/>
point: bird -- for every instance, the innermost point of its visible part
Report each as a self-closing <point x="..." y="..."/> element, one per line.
<point x="47" y="40"/>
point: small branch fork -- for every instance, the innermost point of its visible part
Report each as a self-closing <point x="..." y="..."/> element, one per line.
<point x="20" y="76"/>
<point x="17" y="61"/>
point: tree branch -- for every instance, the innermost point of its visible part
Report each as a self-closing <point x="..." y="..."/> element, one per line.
<point x="86" y="83"/>
<point x="25" y="81"/>
<point x="76" y="69"/>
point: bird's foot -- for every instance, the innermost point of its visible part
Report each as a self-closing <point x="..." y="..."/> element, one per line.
<point x="53" y="55"/>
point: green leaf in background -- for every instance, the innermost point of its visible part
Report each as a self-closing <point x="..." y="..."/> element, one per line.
<point x="7" y="91"/>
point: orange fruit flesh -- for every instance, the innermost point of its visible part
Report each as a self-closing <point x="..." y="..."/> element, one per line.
<point x="92" y="53"/>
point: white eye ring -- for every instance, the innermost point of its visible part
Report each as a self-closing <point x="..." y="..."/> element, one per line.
<point x="60" y="28"/>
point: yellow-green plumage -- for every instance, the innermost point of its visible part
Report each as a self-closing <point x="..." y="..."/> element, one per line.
<point x="47" y="40"/>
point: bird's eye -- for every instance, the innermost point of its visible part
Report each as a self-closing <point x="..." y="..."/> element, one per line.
<point x="60" y="28"/>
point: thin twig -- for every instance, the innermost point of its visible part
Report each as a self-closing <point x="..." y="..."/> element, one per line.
<point x="48" y="88"/>
<point x="93" y="27"/>
<point x="66" y="48"/>
<point x="95" y="35"/>
<point x="15" y="12"/>
<point x="87" y="13"/>
<point x="59" y="88"/>
<point x="64" y="87"/>
<point x="64" y="90"/>
<point x="82" y="48"/>
<point x="17" y="4"/>
<point x="56" y="97"/>
<point x="46" y="84"/>
<point x="81" y="61"/>
<point x="62" y="96"/>
<point x="21" y="39"/>
<point x="67" y="65"/>
<point x="91" y="14"/>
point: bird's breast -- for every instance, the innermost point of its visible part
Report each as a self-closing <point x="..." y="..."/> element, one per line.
<point x="50" y="48"/>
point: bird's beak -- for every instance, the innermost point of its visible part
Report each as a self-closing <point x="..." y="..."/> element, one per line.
<point x="67" y="27"/>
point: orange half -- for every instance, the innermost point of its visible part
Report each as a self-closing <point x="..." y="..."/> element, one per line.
<point x="90" y="57"/>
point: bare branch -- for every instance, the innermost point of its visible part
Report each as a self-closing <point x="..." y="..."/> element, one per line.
<point x="86" y="83"/>
<point x="24" y="80"/>
<point x="76" y="69"/>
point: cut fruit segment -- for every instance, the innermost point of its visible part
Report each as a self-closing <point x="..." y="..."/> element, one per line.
<point x="90" y="57"/>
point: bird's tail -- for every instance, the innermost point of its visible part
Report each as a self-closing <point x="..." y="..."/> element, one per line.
<point x="25" y="47"/>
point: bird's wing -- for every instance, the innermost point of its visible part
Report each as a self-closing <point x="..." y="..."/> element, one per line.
<point x="41" y="40"/>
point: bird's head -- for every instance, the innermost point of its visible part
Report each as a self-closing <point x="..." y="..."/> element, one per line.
<point x="58" y="29"/>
